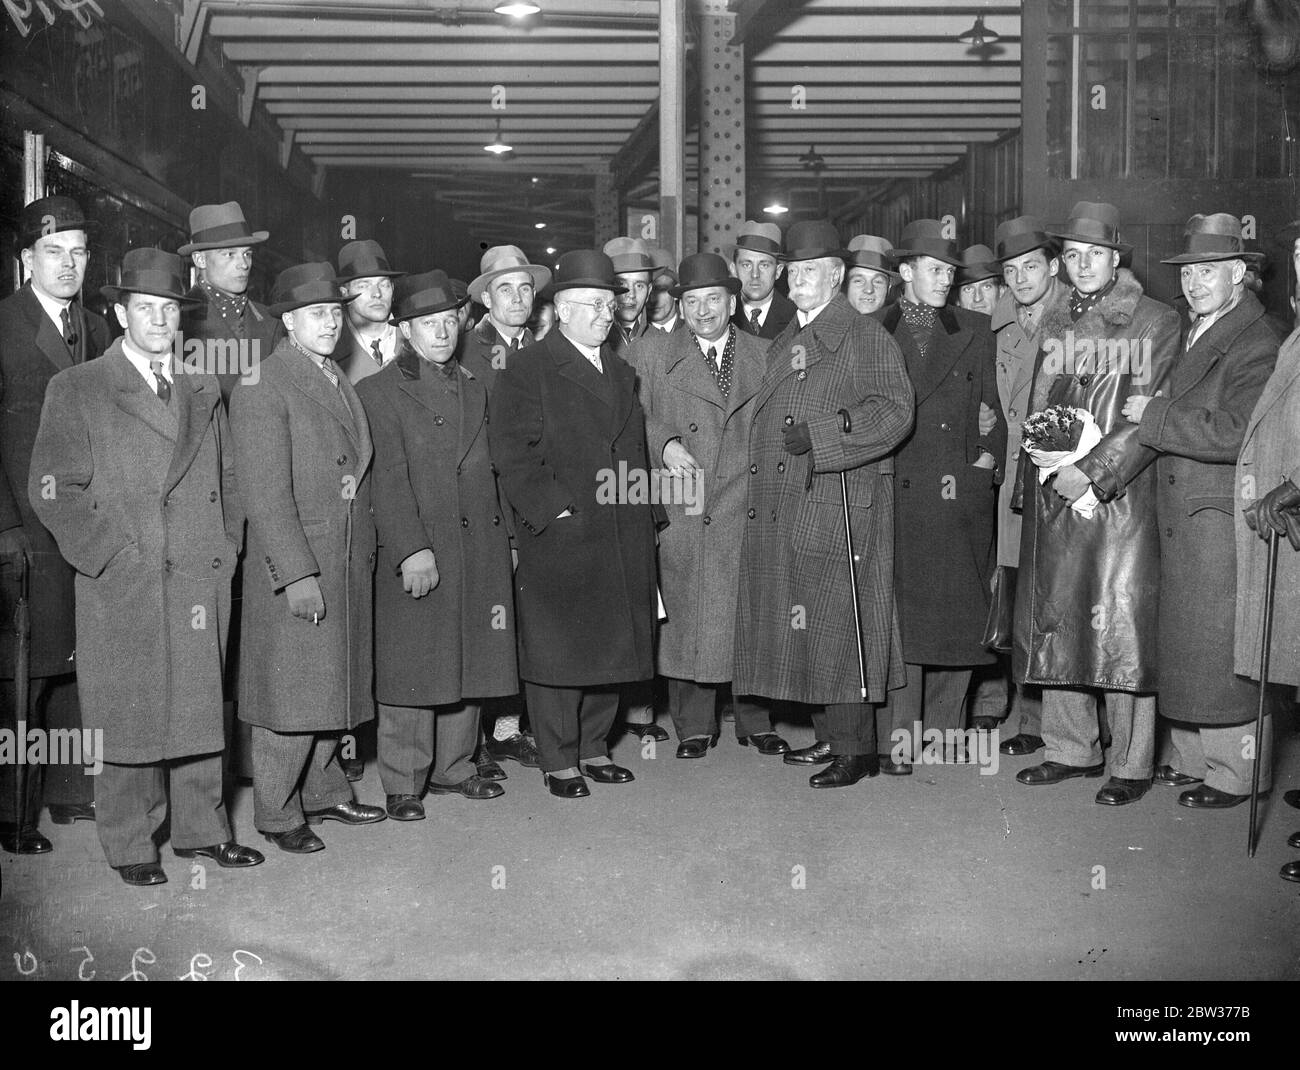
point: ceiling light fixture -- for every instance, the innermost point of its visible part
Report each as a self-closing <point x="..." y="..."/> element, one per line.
<point x="517" y="10"/>
<point x="776" y="206"/>
<point x="497" y="146"/>
<point x="539" y="226"/>
<point x="813" y="160"/>
<point x="550" y="250"/>
<point x="979" y="34"/>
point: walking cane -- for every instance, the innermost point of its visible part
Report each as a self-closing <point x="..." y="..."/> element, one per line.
<point x="1270" y="580"/>
<point x="22" y="687"/>
<point x="853" y="572"/>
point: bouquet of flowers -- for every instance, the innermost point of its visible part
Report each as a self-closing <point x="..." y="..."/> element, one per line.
<point x="1056" y="437"/>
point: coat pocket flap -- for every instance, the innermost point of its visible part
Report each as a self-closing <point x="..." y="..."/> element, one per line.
<point x="1197" y="502"/>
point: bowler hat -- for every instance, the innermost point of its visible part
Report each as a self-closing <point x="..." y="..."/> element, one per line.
<point x="306" y="284"/>
<point x="758" y="237"/>
<point x="1213" y="237"/>
<point x="149" y="271"/>
<point x="421" y="295"/>
<point x="629" y="254"/>
<point x="1021" y="235"/>
<point x="977" y="264"/>
<point x="220" y="226"/>
<point x="502" y="260"/>
<point x="364" y="260"/>
<point x="869" y="251"/>
<point x="702" y="270"/>
<point x="811" y="239"/>
<point x="48" y="215"/>
<point x="924" y="237"/>
<point x="587" y="268"/>
<point x="1094" y="224"/>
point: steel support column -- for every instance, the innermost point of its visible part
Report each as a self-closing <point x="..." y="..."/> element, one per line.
<point x="722" y="128"/>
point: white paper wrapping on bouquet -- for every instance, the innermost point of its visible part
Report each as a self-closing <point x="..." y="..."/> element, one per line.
<point x="1049" y="462"/>
<point x="663" y="613"/>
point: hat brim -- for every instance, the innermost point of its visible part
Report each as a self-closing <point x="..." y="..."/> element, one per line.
<point x="900" y="255"/>
<point x="881" y="268"/>
<point x="588" y="284"/>
<point x="1048" y="245"/>
<point x="282" y="307"/>
<point x="256" y="238"/>
<point x="88" y="226"/>
<point x="978" y="273"/>
<point x="796" y="255"/>
<point x="117" y="294"/>
<point x="372" y="275"/>
<point x="1208" y="258"/>
<point x="429" y="310"/>
<point x="730" y="283"/>
<point x="1090" y="239"/>
<point x="541" y="276"/>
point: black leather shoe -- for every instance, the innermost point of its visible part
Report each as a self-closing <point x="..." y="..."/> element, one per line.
<point x="1293" y="840"/>
<point x="353" y="768"/>
<point x="350" y="813"/>
<point x="67" y="813"/>
<point x="1172" y="778"/>
<point x="488" y="767"/>
<point x="299" y="841"/>
<point x="844" y="770"/>
<point x="1021" y="744"/>
<point x="142" y="874"/>
<point x="1055" y="772"/>
<point x="472" y="787"/>
<point x="1292" y="798"/>
<point x="647" y="731"/>
<point x="405" y="808"/>
<point x="1290" y="872"/>
<point x="765" y="743"/>
<point x="569" y="787"/>
<point x="521" y="748"/>
<point x="892" y="768"/>
<point x="228" y="855"/>
<point x="1208" y="798"/>
<point x="27" y="842"/>
<point x="1118" y="791"/>
<point x="817" y="754"/>
<point x="696" y="747"/>
<point x="609" y="774"/>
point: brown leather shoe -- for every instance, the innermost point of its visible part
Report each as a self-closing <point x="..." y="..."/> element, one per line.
<point x="228" y="855"/>
<point x="472" y="787"/>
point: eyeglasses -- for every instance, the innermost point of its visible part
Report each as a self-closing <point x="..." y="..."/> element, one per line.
<point x="598" y="307"/>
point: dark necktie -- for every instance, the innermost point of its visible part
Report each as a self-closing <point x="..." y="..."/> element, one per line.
<point x="721" y="372"/>
<point x="69" y="331"/>
<point x="161" y="385"/>
<point x="374" y="349"/>
<point x="754" y="324"/>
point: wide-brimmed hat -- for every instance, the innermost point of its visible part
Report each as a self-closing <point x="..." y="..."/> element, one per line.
<point x="424" y="294"/>
<point x="150" y="271"/>
<point x="588" y="269"/>
<point x="364" y="260"/>
<point x="220" y="226"/>
<point x="49" y="215"/>
<point x="502" y="260"/>
<point x="758" y="237"/>
<point x="306" y="284"/>
<point x="977" y="264"/>
<point x="1021" y="235"/>
<point x="702" y="270"/>
<point x="924" y="237"/>
<point x="1094" y="223"/>
<point x="811" y="239"/>
<point x="869" y="251"/>
<point x="1213" y="237"/>
<point x="664" y="274"/>
<point x="629" y="254"/>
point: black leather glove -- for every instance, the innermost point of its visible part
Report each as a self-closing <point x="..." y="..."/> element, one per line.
<point x="1276" y="511"/>
<point x="797" y="439"/>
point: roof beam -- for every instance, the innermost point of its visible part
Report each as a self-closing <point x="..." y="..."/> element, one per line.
<point x="451" y="74"/>
<point x="507" y="54"/>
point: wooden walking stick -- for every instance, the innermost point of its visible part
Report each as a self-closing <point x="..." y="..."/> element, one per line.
<point x="853" y="571"/>
<point x="22" y="689"/>
<point x="1270" y="580"/>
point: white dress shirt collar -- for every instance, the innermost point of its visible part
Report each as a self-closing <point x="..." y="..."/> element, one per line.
<point x="806" y="318"/>
<point x="53" y="307"/>
<point x="141" y="360"/>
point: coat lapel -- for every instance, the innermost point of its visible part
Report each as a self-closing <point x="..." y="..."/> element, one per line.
<point x="49" y="340"/>
<point x="947" y="344"/>
<point x="622" y="383"/>
<point x="310" y="379"/>
<point x="198" y="397"/>
<point x="685" y="370"/>
<point x="473" y="408"/>
<point x="133" y="396"/>
<point x="1284" y="374"/>
<point x="577" y="368"/>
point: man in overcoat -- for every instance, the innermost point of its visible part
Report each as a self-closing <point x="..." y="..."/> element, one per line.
<point x="795" y="636"/>
<point x="1030" y="269"/>
<point x="697" y="387"/>
<point x="131" y="472"/>
<point x="567" y="435"/>
<point x="444" y="613"/>
<point x="763" y="309"/>
<point x="370" y="339"/>
<point x="946" y="476"/>
<point x="302" y="452"/>
<point x="43" y="330"/>
<point x="1088" y="589"/>
<point x="1197" y="427"/>
<point x="633" y="265"/>
<point x="871" y="275"/>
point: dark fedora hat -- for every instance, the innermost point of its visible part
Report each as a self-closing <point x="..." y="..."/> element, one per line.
<point x="1213" y="237"/>
<point x="1021" y="235"/>
<point x="759" y="238"/>
<point x="150" y="271"/>
<point x="306" y="284"/>
<point x="364" y="260"/>
<point x="924" y="237"/>
<point x="49" y="215"/>
<point x="220" y="226"/>
<point x="977" y="264"/>
<point x="424" y="294"/>
<point x="1093" y="223"/>
<point x="586" y="268"/>
<point x="869" y="251"/>
<point x="702" y="270"/>
<point x="811" y="239"/>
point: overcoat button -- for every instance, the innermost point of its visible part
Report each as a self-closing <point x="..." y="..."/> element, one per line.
<point x="694" y="428"/>
<point x="709" y="519"/>
<point x="212" y="495"/>
<point x="945" y="427"/>
<point x="496" y="520"/>
<point x="1169" y="532"/>
<point x="1171" y="479"/>
<point x="439" y="420"/>
<point x="780" y="466"/>
<point x="216" y="562"/>
<point x="167" y="565"/>
<point x="802" y="376"/>
<point x="774" y="516"/>
<point x="464" y="521"/>
<point x="1012" y="413"/>
<point x="752" y="514"/>
<point x="342" y="460"/>
<point x="969" y="376"/>
<point x="789" y="421"/>
<point x="753" y="469"/>
<point x="906" y="483"/>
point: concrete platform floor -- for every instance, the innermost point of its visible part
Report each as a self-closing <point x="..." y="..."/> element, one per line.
<point x="727" y="867"/>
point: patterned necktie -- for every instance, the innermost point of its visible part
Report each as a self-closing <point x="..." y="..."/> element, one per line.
<point x="375" y="351"/>
<point x="1025" y="317"/>
<point x="754" y="324"/>
<point x="331" y="371"/>
<point x="69" y="332"/>
<point x="161" y="385"/>
<point x="721" y="372"/>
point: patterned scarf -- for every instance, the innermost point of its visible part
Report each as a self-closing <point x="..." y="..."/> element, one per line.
<point x="921" y="319"/>
<point x="1081" y="303"/>
<point x="230" y="307"/>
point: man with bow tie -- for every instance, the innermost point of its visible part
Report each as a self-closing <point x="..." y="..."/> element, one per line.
<point x="43" y="330"/>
